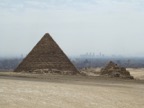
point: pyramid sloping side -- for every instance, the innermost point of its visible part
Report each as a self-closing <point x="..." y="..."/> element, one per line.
<point x="46" y="55"/>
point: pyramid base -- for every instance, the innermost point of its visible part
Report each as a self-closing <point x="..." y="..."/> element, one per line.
<point x="50" y="71"/>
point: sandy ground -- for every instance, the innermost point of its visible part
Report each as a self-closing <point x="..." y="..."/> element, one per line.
<point x="137" y="73"/>
<point x="70" y="92"/>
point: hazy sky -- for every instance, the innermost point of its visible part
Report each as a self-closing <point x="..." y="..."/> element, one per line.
<point x="78" y="26"/>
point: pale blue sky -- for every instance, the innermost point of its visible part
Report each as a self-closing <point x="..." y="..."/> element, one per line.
<point x="78" y="26"/>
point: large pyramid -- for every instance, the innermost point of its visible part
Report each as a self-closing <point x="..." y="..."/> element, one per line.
<point x="47" y="55"/>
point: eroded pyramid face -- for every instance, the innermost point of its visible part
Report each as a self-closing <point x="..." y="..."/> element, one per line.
<point x="46" y="55"/>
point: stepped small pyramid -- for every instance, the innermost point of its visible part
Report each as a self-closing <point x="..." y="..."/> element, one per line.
<point x="113" y="70"/>
<point x="46" y="55"/>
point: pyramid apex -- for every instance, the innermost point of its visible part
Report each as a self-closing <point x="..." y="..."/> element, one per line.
<point x="47" y="34"/>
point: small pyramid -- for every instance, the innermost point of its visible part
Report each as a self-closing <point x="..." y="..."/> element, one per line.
<point x="110" y="65"/>
<point x="46" y="55"/>
<point x="113" y="70"/>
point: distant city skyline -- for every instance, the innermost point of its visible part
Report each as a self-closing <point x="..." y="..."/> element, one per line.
<point x="113" y="27"/>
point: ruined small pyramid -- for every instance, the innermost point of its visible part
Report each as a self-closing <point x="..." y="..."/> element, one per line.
<point x="47" y="55"/>
<point x="113" y="70"/>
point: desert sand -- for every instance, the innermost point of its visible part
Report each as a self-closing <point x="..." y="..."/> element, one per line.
<point x="137" y="73"/>
<point x="62" y="91"/>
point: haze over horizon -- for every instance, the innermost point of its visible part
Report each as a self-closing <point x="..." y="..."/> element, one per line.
<point x="78" y="26"/>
